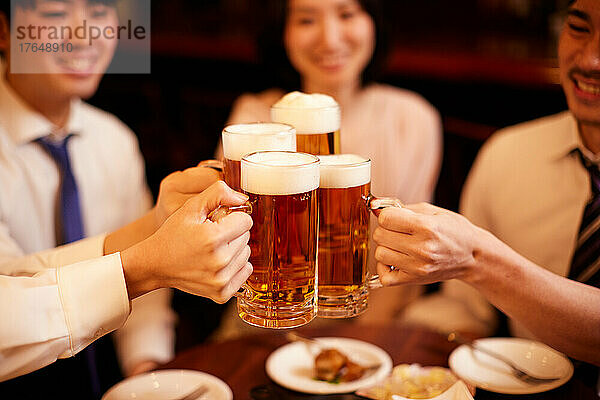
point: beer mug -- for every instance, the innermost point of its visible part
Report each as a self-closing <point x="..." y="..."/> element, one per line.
<point x="345" y="202"/>
<point x="316" y="118"/>
<point x="242" y="139"/>
<point x="282" y="190"/>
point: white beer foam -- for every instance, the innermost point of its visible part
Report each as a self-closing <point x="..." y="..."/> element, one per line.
<point x="308" y="113"/>
<point x="260" y="174"/>
<point x="242" y="139"/>
<point x="344" y="170"/>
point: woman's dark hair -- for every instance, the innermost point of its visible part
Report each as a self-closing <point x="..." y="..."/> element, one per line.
<point x="272" y="54"/>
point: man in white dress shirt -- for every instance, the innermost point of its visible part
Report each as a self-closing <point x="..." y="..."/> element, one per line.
<point x="109" y="173"/>
<point x="536" y="188"/>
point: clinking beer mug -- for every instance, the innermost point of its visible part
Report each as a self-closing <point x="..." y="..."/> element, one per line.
<point x="345" y="203"/>
<point x="242" y="139"/>
<point x="317" y="120"/>
<point x="282" y="190"/>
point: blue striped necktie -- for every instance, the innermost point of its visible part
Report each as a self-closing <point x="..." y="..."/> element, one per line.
<point x="71" y="225"/>
<point x="585" y="265"/>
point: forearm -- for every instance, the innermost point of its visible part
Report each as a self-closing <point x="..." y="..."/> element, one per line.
<point x="560" y="312"/>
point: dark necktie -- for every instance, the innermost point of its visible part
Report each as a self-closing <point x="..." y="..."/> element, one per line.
<point x="71" y="226"/>
<point x="585" y="265"/>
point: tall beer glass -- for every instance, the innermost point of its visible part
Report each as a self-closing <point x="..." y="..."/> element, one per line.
<point x="282" y="190"/>
<point x="316" y="118"/>
<point x="242" y="139"/>
<point x="344" y="203"/>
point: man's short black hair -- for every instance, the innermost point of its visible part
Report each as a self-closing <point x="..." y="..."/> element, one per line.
<point x="5" y="8"/>
<point x="5" y="5"/>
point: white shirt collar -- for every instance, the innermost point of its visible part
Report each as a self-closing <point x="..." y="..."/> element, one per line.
<point x="569" y="139"/>
<point x="591" y="157"/>
<point x="23" y="124"/>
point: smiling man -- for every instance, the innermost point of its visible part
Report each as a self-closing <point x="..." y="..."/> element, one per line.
<point x="579" y="58"/>
<point x="42" y="114"/>
<point x="536" y="187"/>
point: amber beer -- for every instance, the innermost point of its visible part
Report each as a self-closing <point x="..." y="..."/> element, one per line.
<point x="282" y="189"/>
<point x="319" y="143"/>
<point x="343" y="235"/>
<point x="316" y="118"/>
<point x="242" y="139"/>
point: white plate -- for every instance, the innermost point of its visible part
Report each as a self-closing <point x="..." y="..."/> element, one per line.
<point x="490" y="374"/>
<point x="292" y="365"/>
<point x="168" y="384"/>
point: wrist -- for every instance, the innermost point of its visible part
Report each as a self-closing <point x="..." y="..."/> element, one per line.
<point x="137" y="271"/>
<point x="475" y="271"/>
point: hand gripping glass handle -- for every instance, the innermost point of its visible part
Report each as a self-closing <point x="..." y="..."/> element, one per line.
<point x="376" y="204"/>
<point x="221" y="212"/>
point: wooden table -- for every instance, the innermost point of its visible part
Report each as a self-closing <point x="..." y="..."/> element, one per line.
<point x="241" y="362"/>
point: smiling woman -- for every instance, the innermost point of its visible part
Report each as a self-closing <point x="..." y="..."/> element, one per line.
<point x="275" y="39"/>
<point x="329" y="44"/>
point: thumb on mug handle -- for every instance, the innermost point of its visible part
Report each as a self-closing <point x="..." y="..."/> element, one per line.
<point x="376" y="204"/>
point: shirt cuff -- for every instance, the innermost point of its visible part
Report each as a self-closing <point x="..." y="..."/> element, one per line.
<point x="94" y="298"/>
<point x="85" y="249"/>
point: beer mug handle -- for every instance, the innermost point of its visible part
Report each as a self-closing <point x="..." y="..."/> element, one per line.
<point x="374" y="282"/>
<point x="221" y="212"/>
<point x="241" y="292"/>
<point x="212" y="164"/>
<point x="376" y="204"/>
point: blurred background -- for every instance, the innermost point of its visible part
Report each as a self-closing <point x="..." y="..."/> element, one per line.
<point x="484" y="64"/>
